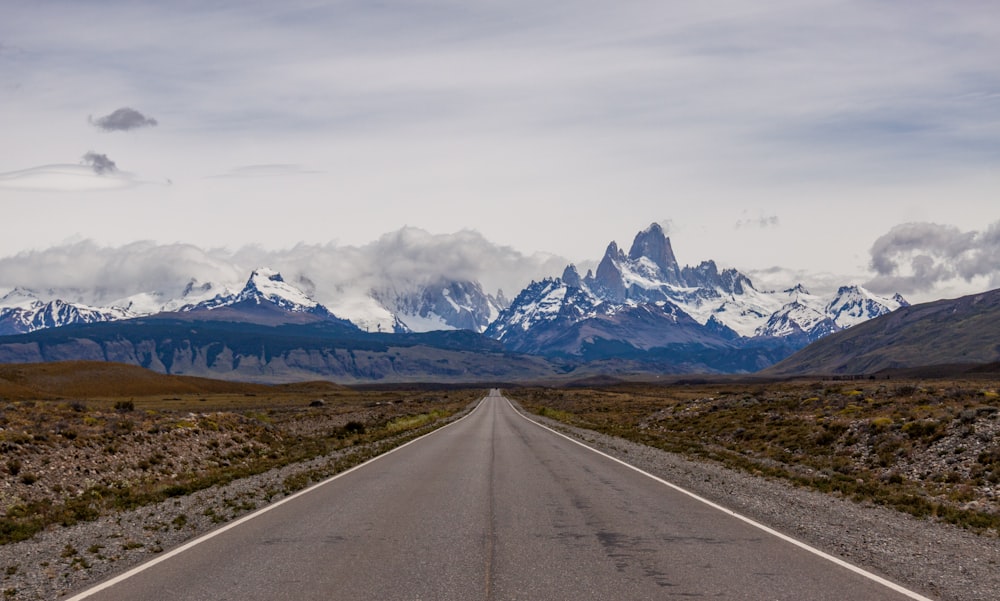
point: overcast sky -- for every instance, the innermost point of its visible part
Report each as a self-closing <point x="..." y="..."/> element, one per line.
<point x="798" y="139"/>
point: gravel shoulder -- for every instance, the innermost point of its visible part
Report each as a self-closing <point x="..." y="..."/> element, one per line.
<point x="937" y="560"/>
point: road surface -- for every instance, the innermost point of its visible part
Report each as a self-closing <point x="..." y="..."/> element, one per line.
<point x="494" y="508"/>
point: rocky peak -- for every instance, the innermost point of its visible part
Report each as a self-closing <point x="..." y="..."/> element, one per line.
<point x="609" y="273"/>
<point x="707" y="275"/>
<point x="571" y="277"/>
<point x="654" y="244"/>
<point x="267" y="285"/>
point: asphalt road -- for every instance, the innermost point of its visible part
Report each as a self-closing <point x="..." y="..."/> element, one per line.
<point x="493" y="507"/>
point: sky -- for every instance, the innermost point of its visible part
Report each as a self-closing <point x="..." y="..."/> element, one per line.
<point x="828" y="142"/>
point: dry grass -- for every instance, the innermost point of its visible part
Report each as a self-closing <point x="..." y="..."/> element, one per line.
<point x="93" y="379"/>
<point x="931" y="449"/>
<point x="72" y="458"/>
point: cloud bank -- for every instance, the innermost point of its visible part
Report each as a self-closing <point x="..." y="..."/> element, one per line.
<point x="123" y="119"/>
<point x="94" y="274"/>
<point x="918" y="257"/>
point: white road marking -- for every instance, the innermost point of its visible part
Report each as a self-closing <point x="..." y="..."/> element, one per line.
<point x="177" y="551"/>
<point x="743" y="518"/>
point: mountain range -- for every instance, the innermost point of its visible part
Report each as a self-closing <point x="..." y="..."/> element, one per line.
<point x="645" y="303"/>
<point x="639" y="310"/>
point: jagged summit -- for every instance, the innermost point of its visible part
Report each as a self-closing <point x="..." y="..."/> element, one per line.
<point x="267" y="285"/>
<point x="653" y="244"/>
<point x="264" y="287"/>
<point x="571" y="277"/>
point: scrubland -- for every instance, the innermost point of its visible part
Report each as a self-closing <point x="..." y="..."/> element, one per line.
<point x="69" y="460"/>
<point x="930" y="449"/>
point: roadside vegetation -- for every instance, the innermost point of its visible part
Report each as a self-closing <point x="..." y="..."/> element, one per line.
<point x="68" y="460"/>
<point x="930" y="449"/>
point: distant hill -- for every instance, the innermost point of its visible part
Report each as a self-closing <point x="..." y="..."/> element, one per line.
<point x="960" y="331"/>
<point x="231" y="343"/>
<point x="89" y="379"/>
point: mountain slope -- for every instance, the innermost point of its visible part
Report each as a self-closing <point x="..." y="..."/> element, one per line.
<point x="963" y="330"/>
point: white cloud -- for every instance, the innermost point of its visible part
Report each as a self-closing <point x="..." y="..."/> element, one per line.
<point x="920" y="257"/>
<point x="97" y="274"/>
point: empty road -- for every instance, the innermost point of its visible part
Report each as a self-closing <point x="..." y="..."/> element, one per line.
<point x="493" y="507"/>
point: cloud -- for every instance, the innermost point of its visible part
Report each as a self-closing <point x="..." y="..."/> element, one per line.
<point x="87" y="272"/>
<point x="917" y="257"/>
<point x="783" y="278"/>
<point x="90" y="273"/>
<point x="100" y="163"/>
<point x="762" y="222"/>
<point x="123" y="119"/>
<point x="67" y="178"/>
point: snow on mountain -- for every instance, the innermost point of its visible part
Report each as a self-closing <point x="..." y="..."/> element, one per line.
<point x="721" y="301"/>
<point x="545" y="301"/>
<point x="854" y="304"/>
<point x="365" y="312"/>
<point x="813" y="317"/>
<point x="157" y="301"/>
<point x="392" y="307"/>
<point x="19" y="298"/>
<point x="441" y="305"/>
<point x="21" y="312"/>
<point x="264" y="286"/>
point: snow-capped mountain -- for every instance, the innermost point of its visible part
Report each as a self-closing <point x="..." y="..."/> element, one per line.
<point x="21" y="311"/>
<point x="812" y="317"/>
<point x="725" y="304"/>
<point x="394" y="307"/>
<point x="267" y="292"/>
<point x="264" y="286"/>
<point x="442" y="305"/>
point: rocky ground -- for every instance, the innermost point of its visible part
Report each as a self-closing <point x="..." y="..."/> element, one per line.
<point x="936" y="559"/>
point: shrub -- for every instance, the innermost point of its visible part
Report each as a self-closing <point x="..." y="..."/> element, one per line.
<point x="354" y="427"/>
